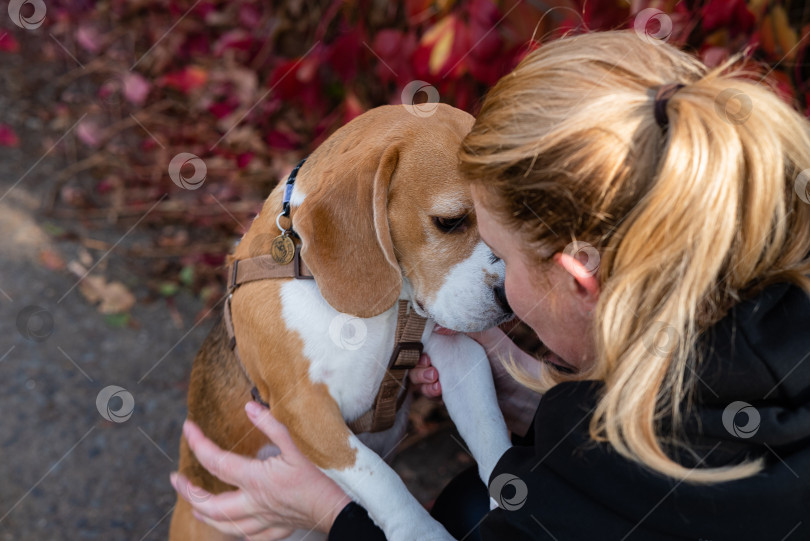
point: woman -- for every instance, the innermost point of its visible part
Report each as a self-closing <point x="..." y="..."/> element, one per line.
<point x="653" y="217"/>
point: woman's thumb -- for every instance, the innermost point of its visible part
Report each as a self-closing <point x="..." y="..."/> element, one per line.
<point x="271" y="427"/>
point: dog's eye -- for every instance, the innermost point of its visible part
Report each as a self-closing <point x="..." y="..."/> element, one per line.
<point x="493" y="258"/>
<point x="448" y="225"/>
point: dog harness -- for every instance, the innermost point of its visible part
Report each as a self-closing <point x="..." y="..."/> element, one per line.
<point x="407" y="340"/>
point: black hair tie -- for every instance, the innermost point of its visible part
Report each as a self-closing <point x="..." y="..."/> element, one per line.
<point x="661" y="98"/>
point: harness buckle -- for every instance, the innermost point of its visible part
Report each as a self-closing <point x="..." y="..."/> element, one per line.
<point x="402" y="346"/>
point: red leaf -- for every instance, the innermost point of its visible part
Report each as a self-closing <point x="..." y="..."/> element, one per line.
<point x="465" y="95"/>
<point x="186" y="79"/>
<point x="195" y="46"/>
<point x="486" y="60"/>
<point x="343" y="55"/>
<point x="730" y="14"/>
<point x="235" y="39"/>
<point x="487" y="41"/>
<point x="104" y="186"/>
<point x="136" y="88"/>
<point x="89" y="38"/>
<point x="147" y="144"/>
<point x="8" y="138"/>
<point x="249" y="16"/>
<point x="222" y="109"/>
<point x="484" y="12"/>
<point x="387" y="42"/>
<point x="214" y="260"/>
<point x="244" y="159"/>
<point x="395" y="50"/>
<point x="297" y="79"/>
<point x="8" y="43"/>
<point x="283" y="79"/>
<point x="89" y="132"/>
<point x="282" y="140"/>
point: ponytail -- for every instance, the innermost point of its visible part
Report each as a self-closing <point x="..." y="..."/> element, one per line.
<point x="689" y="216"/>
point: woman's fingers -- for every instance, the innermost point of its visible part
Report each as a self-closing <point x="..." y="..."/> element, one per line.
<point x="189" y="492"/>
<point x="227" y="527"/>
<point x="426" y="377"/>
<point x="232" y="513"/>
<point x="253" y="528"/>
<point x="231" y="505"/>
<point x="274" y="495"/>
<point x="423" y="373"/>
<point x="229" y="467"/>
<point x="229" y="512"/>
<point x="272" y="428"/>
<point x="432" y="390"/>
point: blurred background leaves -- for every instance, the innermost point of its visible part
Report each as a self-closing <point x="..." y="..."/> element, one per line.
<point x="251" y="87"/>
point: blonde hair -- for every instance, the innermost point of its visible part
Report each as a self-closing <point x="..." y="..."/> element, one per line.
<point x="687" y="220"/>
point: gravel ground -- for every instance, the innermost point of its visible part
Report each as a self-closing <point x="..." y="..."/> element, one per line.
<point x="68" y="473"/>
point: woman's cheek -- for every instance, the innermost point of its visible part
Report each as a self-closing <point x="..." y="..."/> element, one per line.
<point x="520" y="300"/>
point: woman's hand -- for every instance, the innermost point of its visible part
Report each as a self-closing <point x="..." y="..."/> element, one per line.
<point x="274" y="496"/>
<point x="426" y="377"/>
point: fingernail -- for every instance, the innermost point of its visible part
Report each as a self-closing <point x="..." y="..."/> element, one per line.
<point x="435" y="386"/>
<point x="430" y="374"/>
<point x="185" y="428"/>
<point x="253" y="409"/>
<point x="173" y="478"/>
<point x="423" y="359"/>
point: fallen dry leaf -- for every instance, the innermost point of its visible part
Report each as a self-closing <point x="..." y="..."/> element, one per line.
<point x="117" y="299"/>
<point x="92" y="287"/>
<point x="51" y="260"/>
<point x="111" y="297"/>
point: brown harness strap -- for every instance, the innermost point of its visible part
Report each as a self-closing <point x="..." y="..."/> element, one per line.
<point x="407" y="348"/>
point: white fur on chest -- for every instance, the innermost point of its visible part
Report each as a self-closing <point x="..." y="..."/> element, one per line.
<point x="348" y="354"/>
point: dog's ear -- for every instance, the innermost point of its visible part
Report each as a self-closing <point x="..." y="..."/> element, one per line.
<point x="346" y="238"/>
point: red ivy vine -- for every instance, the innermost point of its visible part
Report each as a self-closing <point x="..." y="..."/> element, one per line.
<point x="250" y="87"/>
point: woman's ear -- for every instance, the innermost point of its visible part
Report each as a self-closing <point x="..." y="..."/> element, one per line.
<point x="346" y="240"/>
<point x="584" y="275"/>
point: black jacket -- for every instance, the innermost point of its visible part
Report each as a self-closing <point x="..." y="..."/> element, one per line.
<point x="565" y="487"/>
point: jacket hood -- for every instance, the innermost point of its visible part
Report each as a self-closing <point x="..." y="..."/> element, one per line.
<point x="753" y="388"/>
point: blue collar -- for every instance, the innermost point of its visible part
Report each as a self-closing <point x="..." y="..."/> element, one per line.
<point x="285" y="203"/>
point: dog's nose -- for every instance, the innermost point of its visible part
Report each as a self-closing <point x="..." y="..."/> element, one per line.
<point x="500" y="298"/>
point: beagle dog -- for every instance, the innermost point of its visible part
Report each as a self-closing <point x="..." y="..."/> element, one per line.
<point x="382" y="216"/>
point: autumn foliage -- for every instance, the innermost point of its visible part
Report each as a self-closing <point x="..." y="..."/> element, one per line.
<point x="250" y="87"/>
